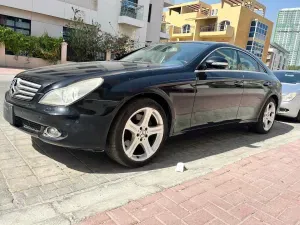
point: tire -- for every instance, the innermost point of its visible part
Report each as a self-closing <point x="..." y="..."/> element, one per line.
<point x="298" y="117"/>
<point x="131" y="129"/>
<point x="260" y="127"/>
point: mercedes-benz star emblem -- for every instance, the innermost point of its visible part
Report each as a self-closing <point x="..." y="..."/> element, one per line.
<point x="13" y="87"/>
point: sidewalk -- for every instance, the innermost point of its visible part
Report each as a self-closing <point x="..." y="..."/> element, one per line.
<point x="9" y="71"/>
<point x="258" y="190"/>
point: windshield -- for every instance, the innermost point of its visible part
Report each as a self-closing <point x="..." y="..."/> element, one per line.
<point x="290" y="77"/>
<point x="167" y="54"/>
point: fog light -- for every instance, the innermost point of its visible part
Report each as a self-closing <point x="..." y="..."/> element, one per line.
<point x="52" y="132"/>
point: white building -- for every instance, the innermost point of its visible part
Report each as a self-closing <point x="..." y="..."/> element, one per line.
<point x="139" y="19"/>
<point x="287" y="33"/>
<point x="277" y="57"/>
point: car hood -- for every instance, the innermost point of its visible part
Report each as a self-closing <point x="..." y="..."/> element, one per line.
<point x="51" y="74"/>
<point x="290" y="88"/>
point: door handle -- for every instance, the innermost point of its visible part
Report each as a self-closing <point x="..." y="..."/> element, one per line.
<point x="239" y="83"/>
<point x="268" y="84"/>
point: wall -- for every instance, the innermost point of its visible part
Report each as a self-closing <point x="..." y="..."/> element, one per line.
<point x="180" y="19"/>
<point x="51" y="15"/>
<point x="153" y="28"/>
<point x="141" y="33"/>
<point x="53" y="8"/>
<point x="108" y="18"/>
<point x="89" y="4"/>
<point x="24" y="62"/>
<point x="39" y="23"/>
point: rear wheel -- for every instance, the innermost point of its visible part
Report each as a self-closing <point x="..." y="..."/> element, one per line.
<point x="138" y="133"/>
<point x="267" y="117"/>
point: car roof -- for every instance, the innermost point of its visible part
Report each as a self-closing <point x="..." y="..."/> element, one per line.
<point x="210" y="44"/>
<point x="203" y="42"/>
<point x="294" y="71"/>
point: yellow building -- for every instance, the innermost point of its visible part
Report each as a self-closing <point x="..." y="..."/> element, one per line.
<point x="239" y="22"/>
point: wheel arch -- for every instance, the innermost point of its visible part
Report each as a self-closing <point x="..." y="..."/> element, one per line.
<point x="275" y="97"/>
<point x="157" y="95"/>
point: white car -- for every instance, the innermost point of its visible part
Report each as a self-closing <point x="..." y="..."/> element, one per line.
<point x="290" y="105"/>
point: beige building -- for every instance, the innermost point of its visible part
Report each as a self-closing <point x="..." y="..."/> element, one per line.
<point x="239" y="22"/>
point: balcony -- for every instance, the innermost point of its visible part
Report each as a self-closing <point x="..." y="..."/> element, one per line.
<point x="179" y="32"/>
<point x="131" y="14"/>
<point x="216" y="30"/>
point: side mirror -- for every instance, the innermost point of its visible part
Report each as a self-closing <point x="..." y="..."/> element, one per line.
<point x="216" y="62"/>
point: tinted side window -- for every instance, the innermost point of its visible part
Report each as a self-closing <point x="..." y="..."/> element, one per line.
<point x="229" y="54"/>
<point x="247" y="63"/>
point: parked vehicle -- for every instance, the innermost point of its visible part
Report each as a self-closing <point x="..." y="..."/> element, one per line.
<point x="129" y="107"/>
<point x="290" y="106"/>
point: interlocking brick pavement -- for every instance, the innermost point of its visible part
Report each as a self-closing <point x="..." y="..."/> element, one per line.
<point x="246" y="198"/>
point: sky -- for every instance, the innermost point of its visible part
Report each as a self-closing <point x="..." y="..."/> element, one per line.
<point x="273" y="6"/>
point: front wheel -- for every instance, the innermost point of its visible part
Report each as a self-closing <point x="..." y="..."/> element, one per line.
<point x="138" y="133"/>
<point x="267" y="117"/>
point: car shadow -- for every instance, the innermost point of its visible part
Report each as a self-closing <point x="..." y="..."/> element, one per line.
<point x="286" y="119"/>
<point x="183" y="148"/>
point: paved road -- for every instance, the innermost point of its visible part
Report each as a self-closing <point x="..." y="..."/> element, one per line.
<point x="263" y="189"/>
<point x="42" y="184"/>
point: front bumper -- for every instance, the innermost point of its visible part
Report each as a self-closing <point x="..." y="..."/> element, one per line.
<point x="79" y="132"/>
<point x="289" y="109"/>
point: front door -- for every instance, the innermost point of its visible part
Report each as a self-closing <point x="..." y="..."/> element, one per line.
<point x="219" y="91"/>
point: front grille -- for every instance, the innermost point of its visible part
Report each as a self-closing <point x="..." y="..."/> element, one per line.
<point x="24" y="90"/>
<point x="28" y="125"/>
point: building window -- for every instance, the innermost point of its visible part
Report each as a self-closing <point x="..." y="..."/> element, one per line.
<point x="17" y="24"/>
<point x="224" y="24"/>
<point x="214" y="12"/>
<point x="258" y="30"/>
<point x="256" y="48"/>
<point x="149" y="13"/>
<point x="186" y="28"/>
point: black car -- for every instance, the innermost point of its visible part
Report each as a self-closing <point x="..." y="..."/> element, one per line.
<point x="127" y="108"/>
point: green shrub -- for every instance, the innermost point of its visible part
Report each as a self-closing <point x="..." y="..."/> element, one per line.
<point x="44" y="47"/>
<point x="86" y="41"/>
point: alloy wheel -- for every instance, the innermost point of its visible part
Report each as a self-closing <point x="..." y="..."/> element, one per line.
<point x="143" y="134"/>
<point x="269" y="116"/>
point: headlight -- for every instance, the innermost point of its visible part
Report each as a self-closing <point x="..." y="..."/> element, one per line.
<point x="289" y="97"/>
<point x="67" y="95"/>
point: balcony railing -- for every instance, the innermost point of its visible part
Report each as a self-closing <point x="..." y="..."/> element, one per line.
<point x="131" y="9"/>
<point x="180" y="30"/>
<point x="214" y="28"/>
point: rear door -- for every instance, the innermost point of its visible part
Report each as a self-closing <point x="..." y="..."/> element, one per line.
<point x="219" y="91"/>
<point x="257" y="86"/>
